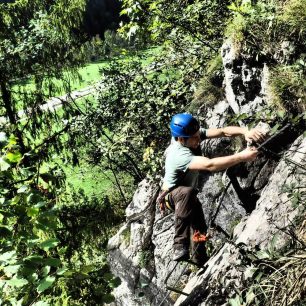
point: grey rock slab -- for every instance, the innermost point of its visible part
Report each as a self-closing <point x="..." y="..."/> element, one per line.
<point x="274" y="209"/>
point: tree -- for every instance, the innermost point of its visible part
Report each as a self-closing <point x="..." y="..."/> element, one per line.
<point x="39" y="43"/>
<point x="40" y="50"/>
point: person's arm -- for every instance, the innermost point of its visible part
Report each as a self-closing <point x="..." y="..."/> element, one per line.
<point x="232" y="131"/>
<point x="221" y="163"/>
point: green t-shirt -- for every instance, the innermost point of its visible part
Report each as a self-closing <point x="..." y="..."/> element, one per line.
<point x="178" y="160"/>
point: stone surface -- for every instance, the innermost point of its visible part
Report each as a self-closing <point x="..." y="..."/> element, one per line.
<point x="245" y="81"/>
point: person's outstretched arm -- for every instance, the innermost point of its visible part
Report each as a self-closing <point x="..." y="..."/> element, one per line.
<point x="221" y="163"/>
<point x="232" y="131"/>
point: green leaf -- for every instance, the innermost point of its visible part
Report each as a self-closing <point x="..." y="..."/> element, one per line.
<point x="34" y="198"/>
<point x="32" y="211"/>
<point x="4" y="165"/>
<point x="45" y="270"/>
<point x="40" y="204"/>
<point x="3" y="140"/>
<point x="53" y="262"/>
<point x="34" y="260"/>
<point x="108" y="298"/>
<point x="41" y="303"/>
<point x="262" y="254"/>
<point x="274" y="129"/>
<point x="5" y="231"/>
<point x="49" y="244"/>
<point x="14" y="157"/>
<point x="8" y="256"/>
<point x="61" y="271"/>
<point x="108" y="276"/>
<point x="115" y="282"/>
<point x="17" y="282"/>
<point x="23" y="189"/>
<point x="45" y="284"/>
<point x="235" y="302"/>
<point x="27" y="271"/>
<point x="87" y="269"/>
<point x="11" y="270"/>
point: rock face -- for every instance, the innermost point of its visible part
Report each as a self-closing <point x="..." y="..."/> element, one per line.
<point x="273" y="213"/>
<point x="245" y="81"/>
<point x="254" y="207"/>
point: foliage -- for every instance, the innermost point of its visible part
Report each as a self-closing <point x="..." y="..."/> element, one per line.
<point x="164" y="20"/>
<point x="209" y="90"/>
<point x="39" y="40"/>
<point x="288" y="87"/>
<point x="127" y="130"/>
<point x="274" y="32"/>
<point x="145" y="257"/>
<point x="36" y="243"/>
<point x="190" y="31"/>
<point x="29" y="246"/>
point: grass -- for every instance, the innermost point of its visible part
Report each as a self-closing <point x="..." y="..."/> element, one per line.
<point x="89" y="179"/>
<point x="84" y="77"/>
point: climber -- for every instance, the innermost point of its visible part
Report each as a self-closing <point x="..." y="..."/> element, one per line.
<point x="182" y="166"/>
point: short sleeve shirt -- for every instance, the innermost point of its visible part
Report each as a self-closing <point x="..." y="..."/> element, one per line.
<point x="178" y="160"/>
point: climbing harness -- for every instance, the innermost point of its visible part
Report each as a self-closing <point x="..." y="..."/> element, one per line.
<point x="169" y="202"/>
<point x="165" y="201"/>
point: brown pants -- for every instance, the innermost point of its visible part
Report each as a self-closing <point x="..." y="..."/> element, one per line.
<point x="188" y="214"/>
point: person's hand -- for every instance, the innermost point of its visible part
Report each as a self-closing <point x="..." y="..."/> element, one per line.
<point x="254" y="135"/>
<point x="249" y="154"/>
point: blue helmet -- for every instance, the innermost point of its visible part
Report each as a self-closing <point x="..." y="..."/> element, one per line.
<point x="184" y="125"/>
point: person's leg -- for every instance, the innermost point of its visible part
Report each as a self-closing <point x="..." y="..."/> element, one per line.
<point x="198" y="224"/>
<point x="183" y="198"/>
<point x="197" y="217"/>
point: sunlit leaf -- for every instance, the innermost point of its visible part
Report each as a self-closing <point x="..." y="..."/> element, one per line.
<point x="23" y="189"/>
<point x="32" y="211"/>
<point x="61" y="271"/>
<point x="3" y="140"/>
<point x="11" y="270"/>
<point x="14" y="157"/>
<point x="49" y="244"/>
<point x="41" y="303"/>
<point x="4" y="165"/>
<point x="45" y="284"/>
<point x="11" y="255"/>
<point x="17" y="282"/>
<point x="45" y="270"/>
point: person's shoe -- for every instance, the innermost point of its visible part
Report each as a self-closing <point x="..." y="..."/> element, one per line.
<point x="181" y="253"/>
<point x="198" y="237"/>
